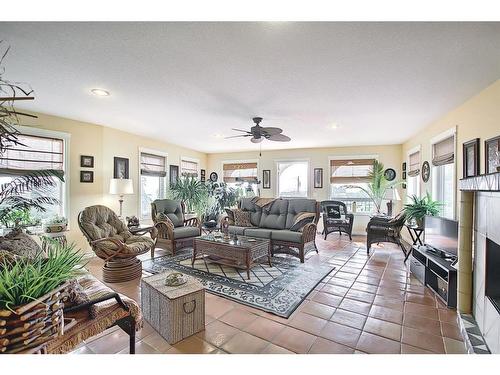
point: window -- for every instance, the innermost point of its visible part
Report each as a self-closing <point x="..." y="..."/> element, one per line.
<point x="443" y="175"/>
<point x="36" y="153"/>
<point x="413" y="178"/>
<point x="189" y="167"/>
<point x="344" y="176"/>
<point x="293" y="178"/>
<point x="241" y="176"/>
<point x="153" y="181"/>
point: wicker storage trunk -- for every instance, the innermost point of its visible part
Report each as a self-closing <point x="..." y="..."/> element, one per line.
<point x="174" y="312"/>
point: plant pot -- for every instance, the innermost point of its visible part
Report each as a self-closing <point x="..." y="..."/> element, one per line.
<point x="419" y="222"/>
<point x="56" y="228"/>
<point x="28" y="327"/>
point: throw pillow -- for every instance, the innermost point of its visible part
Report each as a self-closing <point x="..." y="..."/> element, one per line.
<point x="301" y="219"/>
<point x="230" y="215"/>
<point x="162" y="217"/>
<point x="242" y="218"/>
<point x="333" y="211"/>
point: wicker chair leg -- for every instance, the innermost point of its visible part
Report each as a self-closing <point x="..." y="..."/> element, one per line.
<point x="132" y="336"/>
<point x="301" y="253"/>
<point x="173" y="247"/>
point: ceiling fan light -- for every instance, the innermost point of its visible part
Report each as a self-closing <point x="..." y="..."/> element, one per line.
<point x="100" y="92"/>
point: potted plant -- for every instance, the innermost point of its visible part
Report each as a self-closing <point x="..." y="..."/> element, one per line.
<point x="56" y="224"/>
<point x="192" y="192"/>
<point x="31" y="292"/>
<point x="421" y="207"/>
<point x="220" y="197"/>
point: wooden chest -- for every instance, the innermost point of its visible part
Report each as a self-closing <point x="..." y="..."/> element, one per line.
<point x="174" y="312"/>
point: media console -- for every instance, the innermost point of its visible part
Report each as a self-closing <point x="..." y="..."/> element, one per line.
<point x="435" y="272"/>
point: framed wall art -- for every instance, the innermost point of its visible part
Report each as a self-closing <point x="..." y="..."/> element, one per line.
<point x="86" y="161"/>
<point x="174" y="174"/>
<point x="86" y="176"/>
<point x="470" y="154"/>
<point x="426" y="171"/>
<point x="266" y="179"/>
<point x="318" y="178"/>
<point x="120" y="168"/>
<point x="492" y="155"/>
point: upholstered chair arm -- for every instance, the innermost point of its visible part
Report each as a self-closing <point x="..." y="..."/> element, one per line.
<point x="109" y="253"/>
<point x="193" y="222"/>
<point x="165" y="229"/>
<point x="350" y="217"/>
<point x="309" y="232"/>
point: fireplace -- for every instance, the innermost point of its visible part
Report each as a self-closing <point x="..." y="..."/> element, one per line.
<point x="492" y="282"/>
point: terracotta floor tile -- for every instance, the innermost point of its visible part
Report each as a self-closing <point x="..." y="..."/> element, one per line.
<point x="368" y="280"/>
<point x="323" y="346"/>
<point x="327" y="299"/>
<point x="82" y="350"/>
<point x="111" y="343"/>
<point x="352" y="270"/>
<point x="244" y="343"/>
<point x="192" y="345"/>
<point x="217" y="309"/>
<point x="452" y="346"/>
<point x="391" y="293"/>
<point x="424" y="311"/>
<point x="360" y="295"/>
<point x="346" y="276"/>
<point x="308" y="323"/>
<point x="383" y="328"/>
<point x="451" y="331"/>
<point x="408" y="349"/>
<point x="275" y="349"/>
<point x="317" y="309"/>
<point x="374" y="344"/>
<point x="384" y="313"/>
<point x="423" y="340"/>
<point x="141" y="348"/>
<point x="355" y="306"/>
<point x="421" y="299"/>
<point x="238" y="318"/>
<point x="390" y="303"/>
<point x="448" y="316"/>
<point x="422" y="324"/>
<point x="348" y="318"/>
<point x="217" y="333"/>
<point x="157" y="342"/>
<point x="341" y="334"/>
<point x="264" y="328"/>
<point x="341" y="282"/>
<point x="335" y="290"/>
<point x="364" y="287"/>
<point x="294" y="340"/>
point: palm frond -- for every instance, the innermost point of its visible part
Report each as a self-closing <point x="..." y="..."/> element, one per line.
<point x="17" y="203"/>
<point x="38" y="180"/>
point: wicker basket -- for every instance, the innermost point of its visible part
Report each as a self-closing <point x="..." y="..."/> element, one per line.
<point x="27" y="328"/>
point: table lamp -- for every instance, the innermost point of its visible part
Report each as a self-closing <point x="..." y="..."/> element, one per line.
<point x="121" y="187"/>
<point x="391" y="195"/>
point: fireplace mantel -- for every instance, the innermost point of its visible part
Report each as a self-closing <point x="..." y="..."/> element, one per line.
<point x="485" y="182"/>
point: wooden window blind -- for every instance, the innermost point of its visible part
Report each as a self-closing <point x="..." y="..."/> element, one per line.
<point x="348" y="171"/>
<point x="153" y="165"/>
<point x="234" y="172"/>
<point x="414" y="164"/>
<point x="443" y="152"/>
<point x="189" y="168"/>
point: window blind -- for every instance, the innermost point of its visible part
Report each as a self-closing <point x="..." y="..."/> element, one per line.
<point x="443" y="152"/>
<point x="189" y="168"/>
<point x="34" y="152"/>
<point x="414" y="164"/>
<point x="153" y="165"/>
<point x="234" y="172"/>
<point x="348" y="171"/>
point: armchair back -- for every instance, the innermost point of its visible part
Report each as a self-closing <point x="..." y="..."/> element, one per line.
<point x="98" y="222"/>
<point x="337" y="207"/>
<point x="171" y="208"/>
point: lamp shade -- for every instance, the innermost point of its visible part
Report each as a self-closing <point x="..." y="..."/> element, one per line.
<point x="392" y="195"/>
<point x="121" y="186"/>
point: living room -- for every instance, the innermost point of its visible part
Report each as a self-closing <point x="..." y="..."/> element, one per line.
<point x="249" y="188"/>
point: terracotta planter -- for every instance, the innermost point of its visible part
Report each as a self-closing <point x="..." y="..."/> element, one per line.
<point x="26" y="328"/>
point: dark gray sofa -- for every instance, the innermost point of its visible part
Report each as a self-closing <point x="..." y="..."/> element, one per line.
<point x="273" y="222"/>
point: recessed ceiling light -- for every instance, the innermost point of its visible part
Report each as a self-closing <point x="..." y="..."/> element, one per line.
<point x="219" y="135"/>
<point x="334" y="126"/>
<point x="100" y="92"/>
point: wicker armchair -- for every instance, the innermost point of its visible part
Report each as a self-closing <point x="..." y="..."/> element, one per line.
<point x="111" y="241"/>
<point x="382" y="229"/>
<point x="173" y="229"/>
<point x="338" y="223"/>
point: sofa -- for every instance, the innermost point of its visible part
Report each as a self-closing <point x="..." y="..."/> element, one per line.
<point x="274" y="221"/>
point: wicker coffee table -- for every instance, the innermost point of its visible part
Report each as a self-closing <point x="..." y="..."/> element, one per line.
<point x="241" y="253"/>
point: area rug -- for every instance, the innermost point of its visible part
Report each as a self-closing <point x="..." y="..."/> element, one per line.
<point x="278" y="289"/>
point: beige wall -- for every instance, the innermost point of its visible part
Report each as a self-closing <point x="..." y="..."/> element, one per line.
<point x="390" y="156"/>
<point x="104" y="143"/>
<point x="478" y="117"/>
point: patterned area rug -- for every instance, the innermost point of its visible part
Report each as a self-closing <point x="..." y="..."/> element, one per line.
<point x="279" y="289"/>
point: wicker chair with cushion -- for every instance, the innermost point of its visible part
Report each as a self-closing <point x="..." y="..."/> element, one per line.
<point x="111" y="240"/>
<point x="173" y="229"/>
<point x="381" y="229"/>
<point x="336" y="218"/>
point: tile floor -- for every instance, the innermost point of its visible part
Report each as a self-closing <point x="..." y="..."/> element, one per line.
<point x="368" y="304"/>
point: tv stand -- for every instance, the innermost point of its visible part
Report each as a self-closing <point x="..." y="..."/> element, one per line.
<point x="435" y="272"/>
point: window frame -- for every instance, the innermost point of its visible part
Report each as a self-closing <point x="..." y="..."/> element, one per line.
<point x="344" y="157"/>
<point x="66" y="138"/>
<point x="139" y="197"/>
<point x="452" y="132"/>
<point x="277" y="177"/>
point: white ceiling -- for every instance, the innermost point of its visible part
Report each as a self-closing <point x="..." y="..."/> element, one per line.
<point x="188" y="83"/>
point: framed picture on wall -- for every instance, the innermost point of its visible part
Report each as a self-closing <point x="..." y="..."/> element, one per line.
<point x="470" y="156"/>
<point x="86" y="161"/>
<point x="120" y="168"/>
<point x="86" y="176"/>
<point x="318" y="178"/>
<point x="174" y="174"/>
<point x="202" y="175"/>
<point x="266" y="179"/>
<point x="492" y="155"/>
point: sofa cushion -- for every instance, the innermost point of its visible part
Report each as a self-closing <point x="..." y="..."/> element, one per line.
<point x="185" y="232"/>
<point x="258" y="233"/>
<point x="242" y="218"/>
<point x="247" y="204"/>
<point x="286" y="235"/>
<point x="296" y="206"/>
<point x="274" y="216"/>
<point x="239" y="231"/>
<point x="170" y="208"/>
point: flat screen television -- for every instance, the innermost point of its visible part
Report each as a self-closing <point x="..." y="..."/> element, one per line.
<point x="441" y="234"/>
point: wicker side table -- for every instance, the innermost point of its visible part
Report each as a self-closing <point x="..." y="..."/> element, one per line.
<point x="174" y="312"/>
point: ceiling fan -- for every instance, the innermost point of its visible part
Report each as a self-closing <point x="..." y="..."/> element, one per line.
<point x="258" y="133"/>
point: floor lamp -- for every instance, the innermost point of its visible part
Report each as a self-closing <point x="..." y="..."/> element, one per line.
<point x="121" y="187"/>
